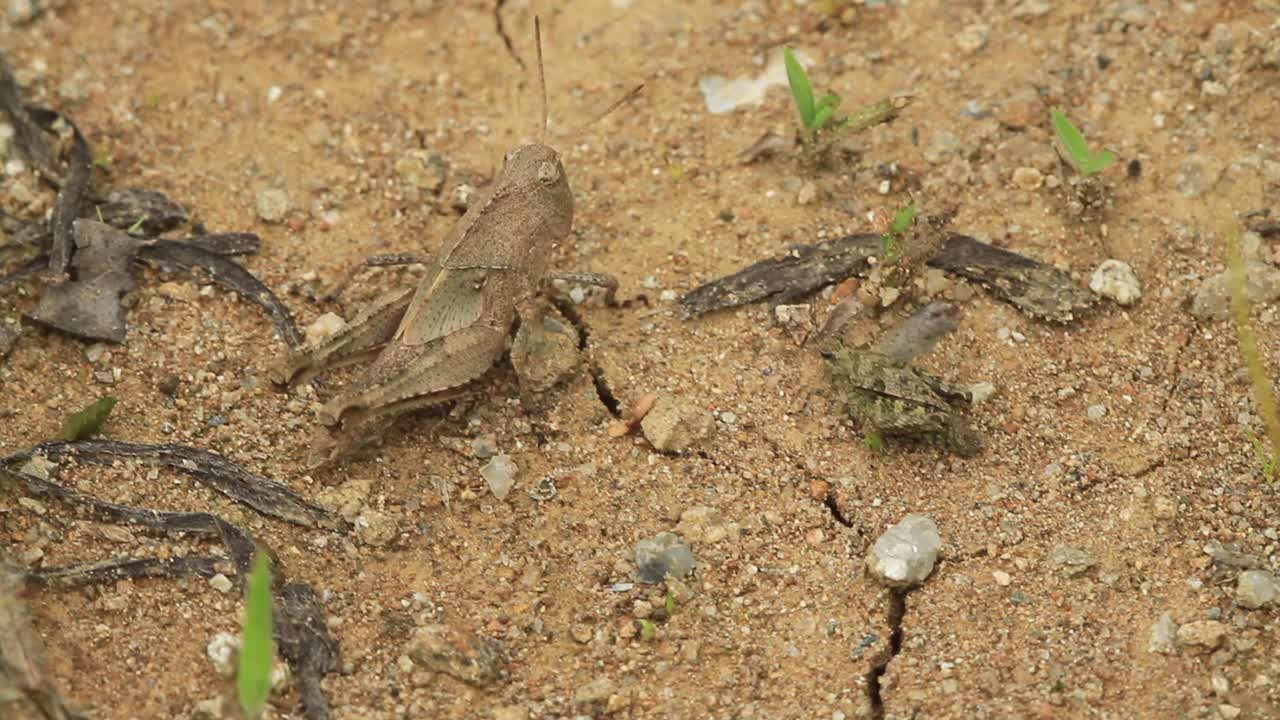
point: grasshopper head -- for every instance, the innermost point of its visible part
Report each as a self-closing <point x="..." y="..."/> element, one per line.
<point x="534" y="184"/>
<point x="535" y="169"/>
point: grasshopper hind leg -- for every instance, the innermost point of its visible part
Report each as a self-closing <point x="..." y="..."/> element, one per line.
<point x="360" y="340"/>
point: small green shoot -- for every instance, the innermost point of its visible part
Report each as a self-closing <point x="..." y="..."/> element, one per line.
<point x="875" y="442"/>
<point x="104" y="161"/>
<point x="1266" y="460"/>
<point x="1263" y="393"/>
<point x="1087" y="161"/>
<point x="89" y="420"/>
<point x="648" y="630"/>
<point x="98" y="208"/>
<point x="814" y="115"/>
<point x="257" y="649"/>
<point x="670" y="605"/>
<point x="137" y="226"/>
<point x="891" y="241"/>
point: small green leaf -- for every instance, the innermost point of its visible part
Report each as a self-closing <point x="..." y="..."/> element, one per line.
<point x="88" y="421"/>
<point x="1098" y="162"/>
<point x="99" y="209"/>
<point x="1071" y="138"/>
<point x="648" y="630"/>
<point x="822" y="117"/>
<point x="902" y="219"/>
<point x="671" y="605"/>
<point x="1086" y="160"/>
<point x="257" y="649"/>
<point x="801" y="90"/>
<point x="137" y="225"/>
<point x="875" y="443"/>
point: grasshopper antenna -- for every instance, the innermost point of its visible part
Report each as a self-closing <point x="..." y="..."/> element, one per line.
<point x="542" y="73"/>
<point x="632" y="95"/>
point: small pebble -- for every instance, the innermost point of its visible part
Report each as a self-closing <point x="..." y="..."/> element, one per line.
<point x="1096" y="412"/>
<point x="666" y="554"/>
<point x="904" y="555"/>
<point x="1206" y="634"/>
<point x="221" y="583"/>
<point x="500" y="474"/>
<point x="273" y="204"/>
<point x="1116" y="280"/>
<point x="1161" y="636"/>
<point x="1027" y="178"/>
<point x="1256" y="589"/>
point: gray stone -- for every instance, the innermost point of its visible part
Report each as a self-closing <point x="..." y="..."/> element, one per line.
<point x="500" y="474"/>
<point x="221" y="583"/>
<point x="596" y="692"/>
<point x="376" y="528"/>
<point x="1213" y="300"/>
<point x="273" y="204"/>
<point x="1203" y="634"/>
<point x="675" y="425"/>
<point x="1256" y="589"/>
<point x="1116" y="280"/>
<point x="1163" y="631"/>
<point x="1073" y="560"/>
<point x="905" y="554"/>
<point x="466" y="656"/>
<point x="665" y="555"/>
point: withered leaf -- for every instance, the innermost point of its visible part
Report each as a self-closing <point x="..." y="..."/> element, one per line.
<point x="66" y="207"/>
<point x="89" y="305"/>
<point x="151" y="211"/>
<point x="1035" y="288"/>
<point x="28" y="138"/>
<point x="800" y="271"/>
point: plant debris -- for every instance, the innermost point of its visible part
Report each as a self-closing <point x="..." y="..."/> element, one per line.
<point x="111" y="571"/>
<point x="71" y="196"/>
<point x="1033" y="287"/>
<point x="150" y="211"/>
<point x="300" y="627"/>
<point x="304" y="640"/>
<point x="25" y="685"/>
<point x="266" y="496"/>
<point x="89" y="420"/>
<point x="780" y="280"/>
<point x="27" y="135"/>
<point x="89" y="306"/>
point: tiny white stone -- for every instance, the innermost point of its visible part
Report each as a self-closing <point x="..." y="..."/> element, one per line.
<point x="1097" y="412"/>
<point x="1116" y="280"/>
<point x="221" y="583"/>
<point x="274" y="93"/>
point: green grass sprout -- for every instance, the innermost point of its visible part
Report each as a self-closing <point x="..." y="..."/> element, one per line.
<point x="648" y="630"/>
<point x="257" y="649"/>
<point x="1087" y="161"/>
<point x="89" y="420"/>
<point x="134" y="228"/>
<point x="891" y="241"/>
<point x="1263" y="393"/>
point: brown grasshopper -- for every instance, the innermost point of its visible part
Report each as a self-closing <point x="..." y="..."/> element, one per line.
<point x="434" y="345"/>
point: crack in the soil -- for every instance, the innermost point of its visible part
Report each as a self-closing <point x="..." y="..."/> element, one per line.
<point x="834" y="507"/>
<point x="897" y="609"/>
<point x="603" y="391"/>
<point x="502" y="33"/>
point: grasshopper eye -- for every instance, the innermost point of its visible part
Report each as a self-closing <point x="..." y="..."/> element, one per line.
<point x="548" y="172"/>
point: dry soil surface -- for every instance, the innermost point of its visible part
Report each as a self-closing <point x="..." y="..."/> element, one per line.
<point x="1122" y="436"/>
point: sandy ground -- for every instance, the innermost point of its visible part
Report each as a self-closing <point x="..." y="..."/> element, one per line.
<point x="214" y="102"/>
